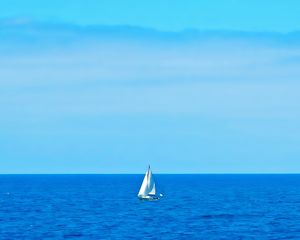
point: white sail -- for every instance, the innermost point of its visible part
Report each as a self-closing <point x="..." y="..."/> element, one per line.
<point x="148" y="184"/>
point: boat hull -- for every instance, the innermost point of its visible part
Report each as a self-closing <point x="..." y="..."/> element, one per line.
<point x="149" y="198"/>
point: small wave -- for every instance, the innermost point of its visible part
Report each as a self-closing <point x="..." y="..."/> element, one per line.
<point x="224" y="215"/>
<point x="73" y="235"/>
<point x="229" y="216"/>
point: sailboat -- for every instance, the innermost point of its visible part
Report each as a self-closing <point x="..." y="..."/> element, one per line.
<point x="148" y="189"/>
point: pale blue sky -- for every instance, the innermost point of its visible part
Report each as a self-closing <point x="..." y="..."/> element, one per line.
<point x="82" y="92"/>
<point x="247" y="15"/>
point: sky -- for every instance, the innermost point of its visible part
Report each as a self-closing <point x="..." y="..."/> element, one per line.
<point x="175" y="15"/>
<point x="112" y="86"/>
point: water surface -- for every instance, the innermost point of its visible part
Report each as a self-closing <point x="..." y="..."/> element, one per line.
<point x="193" y="207"/>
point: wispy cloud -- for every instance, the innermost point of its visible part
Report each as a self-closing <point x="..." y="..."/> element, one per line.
<point x="105" y="64"/>
<point x="122" y="54"/>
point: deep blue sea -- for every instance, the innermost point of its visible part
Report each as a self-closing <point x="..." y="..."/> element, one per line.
<point x="107" y="207"/>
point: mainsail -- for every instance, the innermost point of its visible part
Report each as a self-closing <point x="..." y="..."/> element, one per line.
<point x="148" y="185"/>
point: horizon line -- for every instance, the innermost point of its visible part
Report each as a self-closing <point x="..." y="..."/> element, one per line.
<point x="250" y="173"/>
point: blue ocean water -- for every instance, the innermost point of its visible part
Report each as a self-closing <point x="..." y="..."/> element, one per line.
<point x="193" y="207"/>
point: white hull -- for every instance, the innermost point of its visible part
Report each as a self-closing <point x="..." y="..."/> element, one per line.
<point x="148" y="198"/>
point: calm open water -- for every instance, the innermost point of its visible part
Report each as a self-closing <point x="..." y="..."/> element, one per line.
<point x="106" y="207"/>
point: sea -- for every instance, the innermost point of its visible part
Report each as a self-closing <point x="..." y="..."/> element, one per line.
<point x="195" y="206"/>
